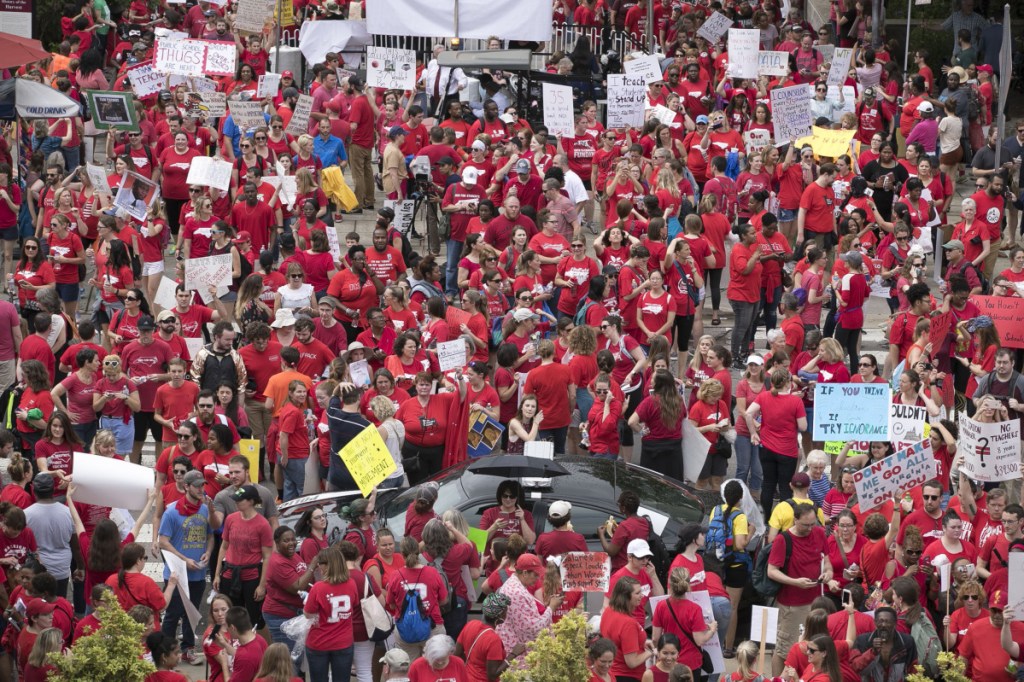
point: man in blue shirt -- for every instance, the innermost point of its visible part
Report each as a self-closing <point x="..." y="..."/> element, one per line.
<point x="186" y="531"/>
<point x="328" y="148"/>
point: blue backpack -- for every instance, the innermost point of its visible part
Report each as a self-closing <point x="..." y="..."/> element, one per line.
<point x="414" y="623"/>
<point x="718" y="540"/>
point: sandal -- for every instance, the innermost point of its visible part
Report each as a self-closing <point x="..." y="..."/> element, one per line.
<point x="715" y="321"/>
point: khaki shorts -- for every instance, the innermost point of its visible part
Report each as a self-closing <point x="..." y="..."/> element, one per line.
<point x="791" y="618"/>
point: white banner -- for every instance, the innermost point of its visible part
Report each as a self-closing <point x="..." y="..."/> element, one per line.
<point x="390" y="68"/>
<point x="840" y="66"/>
<point x="110" y="482"/>
<point x="527" y="20"/>
<point x="200" y="273"/>
<point x="647" y="67"/>
<point x="626" y="98"/>
<point x="991" y="451"/>
<point x="908" y="468"/>
<point x="743" y="52"/>
<point x="183" y="57"/>
<point x="208" y="171"/>
<point x="791" y="113"/>
<point x="558" y="116"/>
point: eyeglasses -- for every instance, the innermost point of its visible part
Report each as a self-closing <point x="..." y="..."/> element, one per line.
<point x="491" y="258"/>
<point x="111" y="363"/>
<point x="610" y="137"/>
<point x="196" y="190"/>
<point x="930" y="497"/>
<point x="577" y="246"/>
<point x="260" y="139"/>
<point x="51" y="175"/>
<point x="296" y="276"/>
<point x="205" y="406"/>
<point x="321" y="517"/>
<point x="912" y="552"/>
<point x="812" y="650"/>
<point x="847" y="525"/>
<point x="866" y="364"/>
<point x="526" y="298"/>
<point x="509" y="496"/>
<point x="902" y="239"/>
<point x="601" y="391"/>
<point x="134" y="135"/>
<point x="971" y="597"/>
<point x="245" y="146"/>
<point x="821" y="89"/>
<point x="180" y="472"/>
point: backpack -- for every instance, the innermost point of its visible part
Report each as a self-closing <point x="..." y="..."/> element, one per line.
<point x="691" y="291"/>
<point x="973" y="104"/>
<point x="764" y="585"/>
<point x="580" y="318"/>
<point x="927" y="642"/>
<point x="985" y="291"/>
<point x="718" y="539"/>
<point x="660" y="558"/>
<point x="448" y="604"/>
<point x="414" y="623"/>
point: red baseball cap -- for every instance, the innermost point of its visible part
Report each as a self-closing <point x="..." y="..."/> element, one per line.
<point x="38" y="607"/>
<point x="243" y="237"/>
<point x="287" y="74"/>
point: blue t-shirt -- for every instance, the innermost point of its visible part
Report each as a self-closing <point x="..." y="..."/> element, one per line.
<point x="232" y="131"/>
<point x="187" y="535"/>
<point x="343" y="426"/>
<point x="331" y="151"/>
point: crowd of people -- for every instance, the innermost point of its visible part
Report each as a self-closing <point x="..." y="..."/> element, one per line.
<point x="583" y="275"/>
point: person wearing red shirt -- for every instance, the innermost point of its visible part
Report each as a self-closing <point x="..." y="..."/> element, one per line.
<point x="817" y="209"/>
<point x="246" y="548"/>
<point x="632" y="648"/>
<point x="551" y="248"/>
<point x="172" y="172"/>
<point x="255" y="218"/>
<point x="357" y="289"/>
<point x="480" y="645"/>
<point x="551" y="383"/>
<point x="262" y="360"/>
<point x="928" y="519"/>
<point x="851" y="296"/>
<point x="293" y="433"/>
<point x="580" y="150"/>
<point x="460" y="203"/>
<point x="782" y="417"/>
<point x="744" y="288"/>
<point x="384" y="260"/>
<point x="982" y="646"/>
<point x="250" y="646"/>
<point x="659" y="436"/>
<point x="332" y="602"/>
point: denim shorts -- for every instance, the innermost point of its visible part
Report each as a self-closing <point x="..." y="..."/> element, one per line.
<point x="786" y="215"/>
<point x="67" y="292"/>
<point x="124" y="434"/>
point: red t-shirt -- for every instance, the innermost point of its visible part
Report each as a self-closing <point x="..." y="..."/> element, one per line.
<point x="425" y="580"/>
<point x="481" y="644"/>
<point x="246" y="540"/>
<point x="779" y="415"/>
<point x="334" y="604"/>
<point x="292" y="421"/>
<point x="550" y="384"/>
<point x="140" y="361"/>
<point x="629" y="638"/>
<point x="744" y="287"/>
<point x="68" y="247"/>
<point x="804" y="562"/>
<point x="248" y="658"/>
<point x="175" y="404"/>
<point x="819" y="203"/>
<point x="174" y="169"/>
<point x="426" y="426"/>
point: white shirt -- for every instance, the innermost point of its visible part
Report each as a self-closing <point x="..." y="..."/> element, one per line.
<point x="574" y="186"/>
<point x="451" y="79"/>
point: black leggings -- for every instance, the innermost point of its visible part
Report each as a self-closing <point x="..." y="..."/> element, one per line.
<point x="683" y="330"/>
<point x="173" y="208"/>
<point x="713" y="281"/>
<point x="778" y="471"/>
<point x="848" y="339"/>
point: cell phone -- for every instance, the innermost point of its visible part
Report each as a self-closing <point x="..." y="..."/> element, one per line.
<point x="847" y="597"/>
<point x="214" y="631"/>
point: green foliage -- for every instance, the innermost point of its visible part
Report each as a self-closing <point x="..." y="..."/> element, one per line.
<point x="558" y="654"/>
<point x="951" y="668"/>
<point x="111" y="654"/>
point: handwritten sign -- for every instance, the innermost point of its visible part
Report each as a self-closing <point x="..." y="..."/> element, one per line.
<point x="359" y="372"/>
<point x="253" y="15"/>
<point x="756" y="140"/>
<point x="208" y="171"/>
<point x="558" y="116"/>
<point x="828" y="142"/>
<point x="626" y="97"/>
<point x="391" y="68"/>
<point x="1006" y="313"/>
<point x="743" y="52"/>
<point x="456" y="317"/>
<point x="145" y="80"/>
<point x="201" y="273"/>
<point x="991" y="451"/>
<point x="206" y="104"/>
<point x="907" y="425"/>
<point x="268" y="84"/>
<point x="451" y="354"/>
<point x="646" y="67"/>
<point x="791" y="113"/>
<point x="851" y="412"/>
<point x="772" y="63"/>
<point x="585" y="571"/>
<point x="714" y="27"/>
<point x="299" y="123"/>
<point x="367" y="458"/>
<point x="404" y="213"/>
<point x="221" y="58"/>
<point x="897" y="473"/>
<point x="247" y="115"/>
<point x="840" y="66"/>
<point x="98" y="178"/>
<point x="184" y="57"/>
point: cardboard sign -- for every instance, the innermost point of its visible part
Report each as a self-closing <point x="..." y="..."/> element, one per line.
<point x="1006" y="313"/>
<point x="897" y="473"/>
<point x="791" y="113"/>
<point x="184" y="57"/>
<point x="851" y="412"/>
<point x="907" y="424"/>
<point x="299" y="122"/>
<point x="210" y="172"/>
<point x="201" y="273"/>
<point x="840" y="65"/>
<point x="585" y="571"/>
<point x="404" y="213"/>
<point x="390" y="68"/>
<point x="484" y="434"/>
<point x="646" y="67"/>
<point x="451" y="355"/>
<point x="268" y="84"/>
<point x="146" y="80"/>
<point x="98" y="178"/>
<point x="743" y="52"/>
<point x="714" y="27"/>
<point x="247" y="115"/>
<point x="626" y="98"/>
<point x="772" y="63"/>
<point x="221" y="58"/>
<point x="253" y="15"/>
<point x="367" y="458"/>
<point x="558" y="115"/>
<point x="991" y="451"/>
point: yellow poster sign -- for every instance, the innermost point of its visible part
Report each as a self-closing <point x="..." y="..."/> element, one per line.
<point x="285" y="13"/>
<point x="367" y="459"/>
<point x="828" y="142"/>
<point x="250" y="449"/>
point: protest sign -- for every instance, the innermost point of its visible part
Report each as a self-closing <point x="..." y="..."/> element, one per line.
<point x="826" y="52"/>
<point x="791" y="113"/>
<point x="840" y="66"/>
<point x="695" y="451"/>
<point x="1015" y="593"/>
<point x="208" y="171"/>
<point x="991" y="451"/>
<point x="772" y="63"/>
<point x="135" y="194"/>
<point x="208" y="105"/>
<point x="111" y="482"/>
<point x="359" y="372"/>
<point x="541" y="449"/>
<point x="221" y="58"/>
<point x="367" y="458"/>
<point x="250" y="449"/>
<point x="558" y="116"/>
<point x="585" y="571"/>
<point x="851" y="411"/>
<point x="626" y="98"/>
<point x="665" y="116"/>
<point x="897" y="473"/>
<point x="247" y="115"/>
<point x="484" y="434"/>
<point x="184" y="57"/>
<point x="756" y="140"/>
<point x="451" y="354"/>
<point x="834" y="447"/>
<point x="646" y="67"/>
<point x="828" y="142"/>
<point x="390" y="68"/>
<point x="268" y="84"/>
<point x="252" y="15"/>
<point x="300" y="117"/>
<point x="713" y="647"/>
<point x="764" y="619"/>
<point x="455" y="317"/>
<point x="849" y="103"/>
<point x="1006" y="312"/>
<point x="201" y="273"/>
<point x="714" y="27"/>
<point x="176" y="565"/>
<point x="98" y="178"/>
<point x="146" y="80"/>
<point x="743" y="52"/>
<point x="203" y="85"/>
<point x="165" y="293"/>
<point x="403" y="213"/>
<point x="112" y="110"/>
<point x="906" y="424"/>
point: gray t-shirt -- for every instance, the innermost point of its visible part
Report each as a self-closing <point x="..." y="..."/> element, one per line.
<point x="54" y="530"/>
<point x="224" y="504"/>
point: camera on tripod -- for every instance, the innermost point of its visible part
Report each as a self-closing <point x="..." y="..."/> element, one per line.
<point x="423" y="185"/>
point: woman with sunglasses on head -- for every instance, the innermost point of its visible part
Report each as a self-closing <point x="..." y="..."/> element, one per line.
<point x="116" y="400"/>
<point x="32" y="274"/>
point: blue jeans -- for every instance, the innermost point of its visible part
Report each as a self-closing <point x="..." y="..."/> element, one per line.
<point x="584" y="401"/>
<point x="770" y="305"/>
<point x="176" y="612"/>
<point x="451" y="272"/>
<point x="124" y="434"/>
<point x="294" y="473"/>
<point x="722" y="610"/>
<point x="338" y="662"/>
<point x="748" y="463"/>
<point x="72" y="158"/>
<point x="86" y="432"/>
<point x="276" y="636"/>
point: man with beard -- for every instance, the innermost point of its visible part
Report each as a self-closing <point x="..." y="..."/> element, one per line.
<point x="499" y="230"/>
<point x="884" y="654"/>
<point x="490" y="124"/>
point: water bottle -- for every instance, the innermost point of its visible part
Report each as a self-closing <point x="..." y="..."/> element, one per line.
<point x="310" y="426"/>
<point x="584" y="436"/>
<point x="10" y="286"/>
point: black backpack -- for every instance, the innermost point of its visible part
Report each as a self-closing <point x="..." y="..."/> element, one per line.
<point x="764" y="585"/>
<point x="660" y="557"/>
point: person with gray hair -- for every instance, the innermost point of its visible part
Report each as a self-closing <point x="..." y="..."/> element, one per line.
<point x="438" y="662"/>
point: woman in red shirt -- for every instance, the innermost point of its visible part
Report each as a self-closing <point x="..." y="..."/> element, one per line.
<point x="358" y="290"/>
<point x="851" y="296"/>
<point x="166" y="657"/>
<point x="659" y="420"/>
<point x="131" y="586"/>
<point x="287" y="574"/>
<point x="32" y="274"/>
<point x="632" y="648"/>
<point x="66" y="254"/>
<point x="710" y="414"/>
<point x="426" y="420"/>
<point x="782" y="418"/>
<point x="172" y="173"/>
<point x="426" y="579"/>
<point x="744" y="288"/>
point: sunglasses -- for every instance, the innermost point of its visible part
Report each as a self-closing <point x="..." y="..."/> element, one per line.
<point x="866" y="364"/>
<point x="205" y="406"/>
<point x="491" y="258"/>
<point x="601" y="391"/>
<point x="184" y="436"/>
<point x="812" y="650"/>
<point x="930" y="497"/>
<point x="180" y="472"/>
<point x="111" y="363"/>
<point x="30" y="248"/>
<point x="296" y="276"/>
<point x="577" y="246"/>
<point x="912" y="552"/>
<point x="131" y="298"/>
<point x="971" y="597"/>
<point x="526" y="298"/>
<point x="277" y="127"/>
<point x="605" y="326"/>
<point x="169" y="320"/>
<point x="245" y="146"/>
<point x="134" y="135"/>
<point x="260" y="139"/>
<point x="507" y="496"/>
<point x="196" y="190"/>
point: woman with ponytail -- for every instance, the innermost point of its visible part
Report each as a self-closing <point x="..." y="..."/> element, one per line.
<point x="131" y="586"/>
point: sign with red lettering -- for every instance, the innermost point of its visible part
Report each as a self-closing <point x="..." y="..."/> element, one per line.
<point x="897" y="473"/>
<point x="585" y="571"/>
<point x="1006" y="313"/>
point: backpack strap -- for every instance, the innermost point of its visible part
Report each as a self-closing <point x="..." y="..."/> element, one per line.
<point x="475" y="639"/>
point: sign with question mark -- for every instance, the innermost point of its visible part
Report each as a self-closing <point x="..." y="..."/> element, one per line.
<point x="991" y="451"/>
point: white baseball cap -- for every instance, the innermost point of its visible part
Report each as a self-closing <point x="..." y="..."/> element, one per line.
<point x="639" y="548"/>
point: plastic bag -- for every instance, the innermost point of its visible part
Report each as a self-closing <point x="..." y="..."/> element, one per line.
<point x="296" y="629"/>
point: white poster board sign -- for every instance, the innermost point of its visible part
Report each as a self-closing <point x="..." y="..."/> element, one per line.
<point x="110" y="482"/>
<point x="772" y="63"/>
<point x="897" y="473"/>
<point x="451" y="355"/>
<point x="403" y="213"/>
<point x="98" y="178"/>
<point x="791" y="115"/>
<point x="1015" y="593"/>
<point x="626" y="97"/>
<point x="299" y="122"/>
<point x="247" y="115"/>
<point x="208" y="171"/>
<point x="647" y="67"/>
<point x="558" y="116"/>
<point x="758" y="616"/>
<point x="713" y="646"/>
<point x="695" y="451"/>
<point x="743" y="52"/>
<point x="991" y="451"/>
<point x="176" y="564"/>
<point x="714" y="27"/>
<point x="840" y="65"/>
<point x="221" y="58"/>
<point x="201" y="273"/>
<point x="268" y="84"/>
<point x="165" y="293"/>
<point x="183" y="57"/>
<point x="146" y="80"/>
<point x="390" y="68"/>
<point x="359" y="371"/>
<point x="907" y="425"/>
